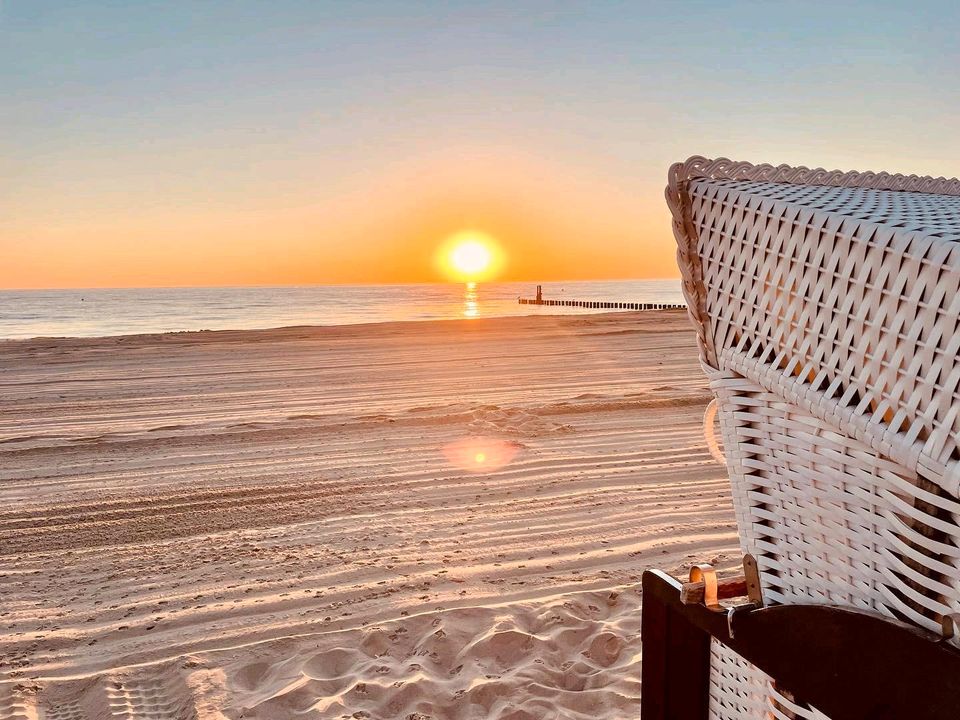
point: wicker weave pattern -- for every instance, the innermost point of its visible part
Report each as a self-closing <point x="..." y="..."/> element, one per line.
<point x="937" y="215"/>
<point x="827" y="306"/>
<point x="857" y="321"/>
<point x="680" y="174"/>
<point x="738" y="690"/>
<point x="829" y="520"/>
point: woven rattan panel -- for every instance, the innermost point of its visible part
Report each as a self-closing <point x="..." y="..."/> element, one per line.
<point x="935" y="215"/>
<point x="831" y="521"/>
<point x="738" y="691"/>
<point x="845" y="301"/>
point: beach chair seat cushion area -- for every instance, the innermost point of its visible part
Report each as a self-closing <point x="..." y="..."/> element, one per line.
<point x="827" y="309"/>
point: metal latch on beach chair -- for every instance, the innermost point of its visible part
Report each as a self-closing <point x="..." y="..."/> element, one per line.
<point x="705" y="588"/>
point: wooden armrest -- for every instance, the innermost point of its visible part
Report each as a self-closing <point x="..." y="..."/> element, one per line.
<point x="691" y="593"/>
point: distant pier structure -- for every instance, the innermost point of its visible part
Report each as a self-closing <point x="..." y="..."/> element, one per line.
<point x="599" y="304"/>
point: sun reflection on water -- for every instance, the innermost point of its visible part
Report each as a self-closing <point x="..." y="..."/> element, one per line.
<point x="471" y="301"/>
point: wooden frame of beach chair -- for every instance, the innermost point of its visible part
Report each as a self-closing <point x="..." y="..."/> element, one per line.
<point x="827" y="310"/>
<point x="836" y="659"/>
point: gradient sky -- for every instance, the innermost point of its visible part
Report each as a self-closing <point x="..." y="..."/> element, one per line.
<point x="232" y="143"/>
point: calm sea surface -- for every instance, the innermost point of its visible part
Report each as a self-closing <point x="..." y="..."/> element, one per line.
<point x="86" y="313"/>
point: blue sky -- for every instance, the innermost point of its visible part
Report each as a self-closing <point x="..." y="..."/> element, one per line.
<point x="198" y="113"/>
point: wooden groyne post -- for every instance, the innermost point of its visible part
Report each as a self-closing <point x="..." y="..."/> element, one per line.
<point x="599" y="304"/>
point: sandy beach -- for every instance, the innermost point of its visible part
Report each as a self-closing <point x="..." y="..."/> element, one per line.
<point x="401" y="520"/>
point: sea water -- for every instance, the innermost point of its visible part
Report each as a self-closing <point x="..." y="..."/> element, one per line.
<point x="101" y="312"/>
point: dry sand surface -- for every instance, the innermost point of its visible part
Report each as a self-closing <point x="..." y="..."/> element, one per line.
<point x="408" y="520"/>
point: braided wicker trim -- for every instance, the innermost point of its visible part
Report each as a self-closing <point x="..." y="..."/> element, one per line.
<point x="725" y="169"/>
<point x="680" y="174"/>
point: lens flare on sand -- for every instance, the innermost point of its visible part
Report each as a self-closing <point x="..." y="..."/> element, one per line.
<point x="479" y="454"/>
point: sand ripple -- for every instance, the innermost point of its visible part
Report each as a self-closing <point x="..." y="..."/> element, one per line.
<point x="272" y="525"/>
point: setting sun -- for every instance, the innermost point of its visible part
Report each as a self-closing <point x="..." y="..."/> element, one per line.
<point x="470" y="255"/>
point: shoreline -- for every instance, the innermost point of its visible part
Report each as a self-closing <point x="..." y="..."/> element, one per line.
<point x="139" y="311"/>
<point x="206" y="333"/>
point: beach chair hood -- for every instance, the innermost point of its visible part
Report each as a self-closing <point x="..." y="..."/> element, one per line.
<point x="839" y="291"/>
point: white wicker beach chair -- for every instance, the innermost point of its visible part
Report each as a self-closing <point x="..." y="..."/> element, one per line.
<point x="827" y="308"/>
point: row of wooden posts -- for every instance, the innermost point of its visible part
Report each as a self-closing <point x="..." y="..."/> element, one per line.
<point x="599" y="304"/>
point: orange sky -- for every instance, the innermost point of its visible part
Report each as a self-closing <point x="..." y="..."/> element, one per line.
<point x="552" y="222"/>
